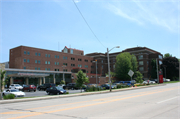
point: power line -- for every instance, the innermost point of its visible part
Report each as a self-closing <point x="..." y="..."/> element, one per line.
<point x="87" y="24"/>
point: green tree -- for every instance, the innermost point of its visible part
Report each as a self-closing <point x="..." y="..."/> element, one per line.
<point x="172" y="67"/>
<point x="138" y="77"/>
<point x="62" y="82"/>
<point x="167" y="55"/>
<point x="112" y="74"/>
<point x="81" y="79"/>
<point x="153" y="69"/>
<point x="2" y="77"/>
<point x="125" y="62"/>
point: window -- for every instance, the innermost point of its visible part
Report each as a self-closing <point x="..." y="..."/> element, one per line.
<point x="45" y="62"/>
<point x="86" y="60"/>
<point x="141" y="68"/>
<point x="55" y="56"/>
<point x="57" y="63"/>
<point x="86" y="66"/>
<point x="102" y="66"/>
<point x="28" y="60"/>
<point x="140" y="57"/>
<point x="79" y="65"/>
<point x="46" y="55"/>
<point x="49" y="55"/>
<point x="35" y="61"/>
<point x="64" y="57"/>
<point x="39" y="54"/>
<point x="113" y="66"/>
<point x="86" y="71"/>
<point x="160" y="57"/>
<point x="147" y="62"/>
<point x="24" y="60"/>
<point x="65" y="50"/>
<point x="114" y="60"/>
<point x="92" y="66"/>
<point x="72" y="65"/>
<point x="65" y="64"/>
<point x="79" y="59"/>
<point x="24" y="52"/>
<point x="48" y="69"/>
<point x="58" y="57"/>
<point x="72" y="58"/>
<point x="65" y="70"/>
<point x="48" y="62"/>
<point x="38" y="68"/>
<point x="45" y="68"/>
<point x="28" y="53"/>
<point x="101" y="61"/>
<point x="160" y="62"/>
<point x="24" y="67"/>
<point x="71" y="51"/>
<point x="35" y="68"/>
<point x="54" y="69"/>
<point x="141" y="63"/>
<point x="36" y="53"/>
<point x="39" y="61"/>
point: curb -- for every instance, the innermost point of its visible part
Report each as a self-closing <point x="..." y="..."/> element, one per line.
<point x="73" y="95"/>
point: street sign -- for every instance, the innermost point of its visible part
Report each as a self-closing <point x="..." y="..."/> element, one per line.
<point x="130" y="73"/>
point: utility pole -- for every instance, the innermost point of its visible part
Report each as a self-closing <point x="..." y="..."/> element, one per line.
<point x="109" y="70"/>
<point x="157" y="70"/>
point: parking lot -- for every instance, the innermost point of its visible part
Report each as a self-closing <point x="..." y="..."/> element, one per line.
<point x="43" y="93"/>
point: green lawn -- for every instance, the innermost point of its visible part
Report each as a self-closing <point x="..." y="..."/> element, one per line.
<point x="172" y="82"/>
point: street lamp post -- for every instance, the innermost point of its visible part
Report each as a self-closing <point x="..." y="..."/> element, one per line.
<point x="109" y="65"/>
<point x="63" y="72"/>
<point x="96" y="71"/>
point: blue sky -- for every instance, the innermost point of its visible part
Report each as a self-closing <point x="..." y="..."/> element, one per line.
<point x="125" y="23"/>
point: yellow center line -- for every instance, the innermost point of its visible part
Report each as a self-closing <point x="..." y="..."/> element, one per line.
<point x="40" y="113"/>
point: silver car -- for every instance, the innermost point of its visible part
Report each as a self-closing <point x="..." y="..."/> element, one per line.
<point x="16" y="92"/>
<point x="16" y="86"/>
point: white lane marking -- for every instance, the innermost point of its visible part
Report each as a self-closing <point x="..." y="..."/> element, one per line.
<point x="166" y="100"/>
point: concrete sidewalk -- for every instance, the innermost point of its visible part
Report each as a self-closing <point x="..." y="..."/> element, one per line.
<point x="72" y="95"/>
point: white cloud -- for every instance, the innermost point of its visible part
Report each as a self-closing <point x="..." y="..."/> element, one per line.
<point x="77" y="1"/>
<point x="161" y="13"/>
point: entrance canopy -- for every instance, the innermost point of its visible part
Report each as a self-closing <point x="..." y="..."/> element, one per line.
<point x="28" y="75"/>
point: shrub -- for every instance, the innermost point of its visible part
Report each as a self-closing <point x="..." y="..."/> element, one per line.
<point x="67" y="93"/>
<point x="9" y="96"/>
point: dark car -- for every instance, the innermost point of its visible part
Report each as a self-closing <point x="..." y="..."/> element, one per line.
<point x="55" y="90"/>
<point x="45" y="86"/>
<point x="105" y="85"/>
<point x="29" y="88"/>
<point x="71" y="86"/>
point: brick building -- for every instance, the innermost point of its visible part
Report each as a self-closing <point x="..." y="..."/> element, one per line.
<point x="34" y="65"/>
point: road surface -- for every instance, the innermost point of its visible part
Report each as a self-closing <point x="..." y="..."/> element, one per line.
<point x="162" y="102"/>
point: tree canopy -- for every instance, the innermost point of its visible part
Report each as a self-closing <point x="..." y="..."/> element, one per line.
<point x="125" y="62"/>
<point x="81" y="79"/>
<point x="167" y="55"/>
<point x="172" y="67"/>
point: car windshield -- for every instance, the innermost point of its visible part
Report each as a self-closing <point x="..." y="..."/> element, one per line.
<point x="17" y="85"/>
<point x="59" y="88"/>
<point x="14" y="90"/>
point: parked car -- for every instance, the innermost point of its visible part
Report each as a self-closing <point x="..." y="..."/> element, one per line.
<point x="55" y="90"/>
<point x="154" y="80"/>
<point x="71" y="86"/>
<point x="107" y="86"/>
<point x="45" y="86"/>
<point x="29" y="88"/>
<point x="15" y="86"/>
<point x="128" y="83"/>
<point x="16" y="92"/>
<point x="144" y="82"/>
<point x="168" y="80"/>
<point x="151" y="82"/>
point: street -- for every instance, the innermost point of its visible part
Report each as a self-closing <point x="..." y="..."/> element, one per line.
<point x="161" y="102"/>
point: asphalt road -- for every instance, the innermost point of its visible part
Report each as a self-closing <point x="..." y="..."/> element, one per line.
<point x="43" y="93"/>
<point x="162" y="102"/>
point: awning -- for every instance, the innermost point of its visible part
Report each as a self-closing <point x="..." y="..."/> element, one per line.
<point x="28" y="75"/>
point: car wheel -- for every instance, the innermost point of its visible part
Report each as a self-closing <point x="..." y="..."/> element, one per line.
<point x="58" y="93"/>
<point x="48" y="93"/>
<point x="3" y="94"/>
<point x="28" y="90"/>
<point x="34" y="90"/>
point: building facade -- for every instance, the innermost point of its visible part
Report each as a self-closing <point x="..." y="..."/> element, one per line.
<point x="38" y="66"/>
